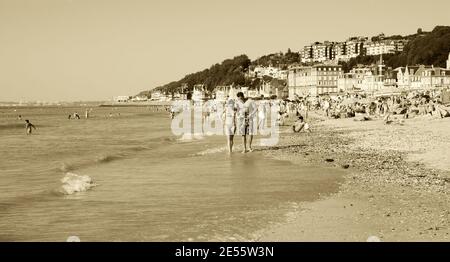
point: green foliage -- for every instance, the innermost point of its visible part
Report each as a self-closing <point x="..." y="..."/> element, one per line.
<point x="429" y="49"/>
<point x="230" y="71"/>
<point x="278" y="59"/>
<point x="425" y="48"/>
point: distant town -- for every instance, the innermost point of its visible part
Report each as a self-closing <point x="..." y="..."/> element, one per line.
<point x="324" y="78"/>
<point x="317" y="69"/>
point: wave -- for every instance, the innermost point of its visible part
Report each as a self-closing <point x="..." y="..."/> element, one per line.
<point x="111" y="157"/>
<point x="107" y="158"/>
<point x="73" y="183"/>
<point x="211" y="151"/>
<point x="97" y="160"/>
<point x="187" y="137"/>
<point x="12" y="126"/>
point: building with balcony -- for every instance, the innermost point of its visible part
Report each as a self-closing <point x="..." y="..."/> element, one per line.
<point x="313" y="80"/>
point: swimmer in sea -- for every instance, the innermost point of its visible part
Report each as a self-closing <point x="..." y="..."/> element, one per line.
<point x="28" y="127"/>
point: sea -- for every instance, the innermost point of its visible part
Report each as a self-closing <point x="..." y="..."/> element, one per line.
<point x="122" y="175"/>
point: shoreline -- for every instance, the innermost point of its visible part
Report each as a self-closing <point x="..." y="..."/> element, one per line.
<point x="396" y="189"/>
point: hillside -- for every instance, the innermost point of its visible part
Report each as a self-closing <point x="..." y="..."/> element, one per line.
<point x="428" y="48"/>
<point x="230" y="71"/>
<point x="425" y="48"/>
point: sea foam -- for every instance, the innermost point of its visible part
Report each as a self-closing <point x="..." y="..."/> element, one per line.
<point x="211" y="151"/>
<point x="190" y="137"/>
<point x="73" y="183"/>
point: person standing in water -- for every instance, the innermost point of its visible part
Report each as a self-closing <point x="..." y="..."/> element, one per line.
<point x="262" y="114"/>
<point x="29" y="127"/>
<point x="252" y="120"/>
<point x="230" y="123"/>
<point x="241" y="122"/>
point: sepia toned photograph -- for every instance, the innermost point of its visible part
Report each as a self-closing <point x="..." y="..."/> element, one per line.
<point x="247" y="121"/>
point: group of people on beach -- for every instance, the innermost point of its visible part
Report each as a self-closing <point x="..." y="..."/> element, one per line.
<point x="407" y="105"/>
<point x="245" y="117"/>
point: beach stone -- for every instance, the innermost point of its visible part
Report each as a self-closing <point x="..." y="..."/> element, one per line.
<point x="346" y="166"/>
<point x="329" y="160"/>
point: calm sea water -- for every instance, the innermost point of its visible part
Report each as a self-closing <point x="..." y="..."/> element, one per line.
<point x="150" y="185"/>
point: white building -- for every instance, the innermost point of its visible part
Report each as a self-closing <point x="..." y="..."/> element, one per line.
<point x="139" y="99"/>
<point x="313" y="80"/>
<point x="353" y="47"/>
<point x="121" y="99"/>
<point x="318" y="52"/>
<point x="355" y="79"/>
<point x="422" y="77"/>
<point x="198" y="94"/>
<point x="156" y="96"/>
<point x="384" y="47"/>
<point x="270" y="71"/>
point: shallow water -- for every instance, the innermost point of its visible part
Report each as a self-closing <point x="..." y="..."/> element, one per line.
<point x="149" y="185"/>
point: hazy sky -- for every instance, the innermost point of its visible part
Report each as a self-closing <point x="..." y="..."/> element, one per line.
<point x="94" y="49"/>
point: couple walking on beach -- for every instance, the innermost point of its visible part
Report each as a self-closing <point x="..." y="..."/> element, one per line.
<point x="240" y="119"/>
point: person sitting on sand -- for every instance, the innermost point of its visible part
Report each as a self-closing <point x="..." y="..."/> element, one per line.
<point x="300" y="125"/>
<point x="29" y="126"/>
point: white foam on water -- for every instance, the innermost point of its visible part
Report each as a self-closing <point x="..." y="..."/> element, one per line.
<point x="190" y="137"/>
<point x="73" y="183"/>
<point x="212" y="151"/>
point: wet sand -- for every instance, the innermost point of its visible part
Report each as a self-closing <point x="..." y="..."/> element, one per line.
<point x="397" y="188"/>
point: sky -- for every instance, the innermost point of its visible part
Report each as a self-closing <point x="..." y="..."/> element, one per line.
<point x="92" y="50"/>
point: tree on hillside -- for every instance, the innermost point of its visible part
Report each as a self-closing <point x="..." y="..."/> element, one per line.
<point x="230" y="71"/>
<point x="426" y="49"/>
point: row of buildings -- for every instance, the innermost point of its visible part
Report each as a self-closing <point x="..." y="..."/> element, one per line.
<point x="328" y="79"/>
<point x="353" y="47"/>
<point x="322" y="79"/>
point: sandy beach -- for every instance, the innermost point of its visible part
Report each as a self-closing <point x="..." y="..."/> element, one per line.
<point x="397" y="188"/>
